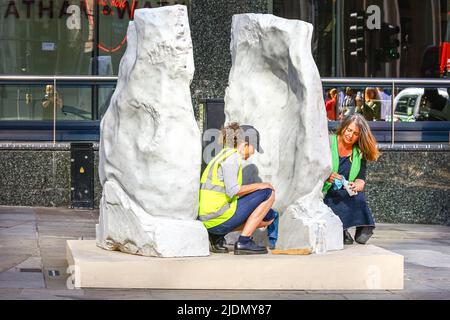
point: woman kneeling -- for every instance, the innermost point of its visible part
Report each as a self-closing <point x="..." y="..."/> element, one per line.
<point x="351" y="148"/>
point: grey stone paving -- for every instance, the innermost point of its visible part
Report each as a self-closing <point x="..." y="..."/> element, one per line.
<point x="33" y="264"/>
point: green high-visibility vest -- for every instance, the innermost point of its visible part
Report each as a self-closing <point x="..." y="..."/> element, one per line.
<point x="356" y="162"/>
<point x="215" y="205"/>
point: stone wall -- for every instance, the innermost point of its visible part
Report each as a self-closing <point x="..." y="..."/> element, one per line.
<point x="35" y="178"/>
<point x="410" y="187"/>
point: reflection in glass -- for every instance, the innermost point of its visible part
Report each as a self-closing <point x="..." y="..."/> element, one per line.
<point x="70" y="37"/>
<point x="77" y="103"/>
<point x="374" y="103"/>
<point x="104" y="98"/>
<point x="24" y="102"/>
<point x="37" y="102"/>
<point x="424" y="50"/>
<point x="320" y="14"/>
<point x="422" y="104"/>
<point x="51" y="100"/>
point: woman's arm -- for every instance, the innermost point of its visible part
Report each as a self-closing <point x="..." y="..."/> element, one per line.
<point x="249" y="188"/>
<point x="360" y="181"/>
<point x="230" y="169"/>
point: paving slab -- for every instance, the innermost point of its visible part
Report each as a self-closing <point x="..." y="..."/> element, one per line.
<point x="57" y="294"/>
<point x="53" y="226"/>
<point x="15" y="279"/>
<point x="10" y="293"/>
<point x="427" y="258"/>
<point x="9" y="261"/>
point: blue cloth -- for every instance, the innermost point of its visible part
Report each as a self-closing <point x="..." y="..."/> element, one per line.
<point x="245" y="207"/>
<point x="272" y="230"/>
<point x="353" y="211"/>
<point x="338" y="184"/>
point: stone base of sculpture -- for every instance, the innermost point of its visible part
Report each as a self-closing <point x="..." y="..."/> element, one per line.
<point x="357" y="267"/>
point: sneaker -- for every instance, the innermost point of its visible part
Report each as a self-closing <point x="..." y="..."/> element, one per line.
<point x="217" y="243"/>
<point x="348" y="237"/>
<point x="363" y="234"/>
<point x="248" y="248"/>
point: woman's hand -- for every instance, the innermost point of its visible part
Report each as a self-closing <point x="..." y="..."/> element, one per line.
<point x="357" y="186"/>
<point x="333" y="176"/>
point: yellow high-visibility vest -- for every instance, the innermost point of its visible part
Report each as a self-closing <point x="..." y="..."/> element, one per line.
<point x="216" y="206"/>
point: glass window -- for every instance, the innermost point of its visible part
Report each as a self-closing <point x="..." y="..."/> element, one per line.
<point x="43" y="102"/>
<point x="405" y="105"/>
<point x="422" y="104"/>
<point x="56" y="37"/>
<point x="319" y="13"/>
<point x="423" y="50"/>
<point x="374" y="103"/>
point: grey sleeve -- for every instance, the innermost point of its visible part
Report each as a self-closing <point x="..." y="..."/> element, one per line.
<point x="230" y="170"/>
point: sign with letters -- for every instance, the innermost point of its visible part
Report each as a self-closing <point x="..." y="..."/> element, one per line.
<point x="77" y="12"/>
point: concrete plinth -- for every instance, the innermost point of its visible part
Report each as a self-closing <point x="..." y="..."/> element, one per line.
<point x="356" y="267"/>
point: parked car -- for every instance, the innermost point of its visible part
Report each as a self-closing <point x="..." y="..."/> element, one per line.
<point x="422" y="104"/>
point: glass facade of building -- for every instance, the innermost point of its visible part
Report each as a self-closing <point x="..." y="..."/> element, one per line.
<point x="422" y="53"/>
<point x="58" y="37"/>
<point x="88" y="38"/>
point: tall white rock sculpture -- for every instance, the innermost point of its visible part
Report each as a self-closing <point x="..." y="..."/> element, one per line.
<point x="150" y="147"/>
<point x="274" y="85"/>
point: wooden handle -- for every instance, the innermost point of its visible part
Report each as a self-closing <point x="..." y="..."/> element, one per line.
<point x="305" y="251"/>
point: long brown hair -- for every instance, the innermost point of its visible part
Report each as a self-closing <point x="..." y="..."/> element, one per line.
<point x="366" y="142"/>
<point x="371" y="94"/>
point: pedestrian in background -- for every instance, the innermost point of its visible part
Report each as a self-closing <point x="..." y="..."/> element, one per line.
<point x="371" y="109"/>
<point x="51" y="98"/>
<point x="386" y="104"/>
<point x="330" y="104"/>
<point x="349" y="104"/>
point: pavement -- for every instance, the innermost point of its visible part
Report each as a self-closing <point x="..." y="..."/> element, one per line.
<point x="33" y="264"/>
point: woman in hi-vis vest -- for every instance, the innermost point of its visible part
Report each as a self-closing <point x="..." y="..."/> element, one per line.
<point x="226" y="205"/>
<point x="351" y="147"/>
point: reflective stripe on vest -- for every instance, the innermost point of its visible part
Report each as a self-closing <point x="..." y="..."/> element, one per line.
<point x="214" y="202"/>
<point x="356" y="162"/>
<point x="213" y="215"/>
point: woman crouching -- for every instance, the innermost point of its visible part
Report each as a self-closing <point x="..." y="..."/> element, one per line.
<point x="351" y="148"/>
<point x="226" y="205"/>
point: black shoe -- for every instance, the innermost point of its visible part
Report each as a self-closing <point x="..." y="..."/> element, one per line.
<point x="347" y="237"/>
<point x="248" y="248"/>
<point x="217" y="243"/>
<point x="363" y="234"/>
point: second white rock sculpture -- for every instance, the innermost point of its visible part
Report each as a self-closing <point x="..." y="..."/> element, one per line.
<point x="274" y="85"/>
<point x="150" y="149"/>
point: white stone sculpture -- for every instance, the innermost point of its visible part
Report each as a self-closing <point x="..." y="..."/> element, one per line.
<point x="274" y="85"/>
<point x="150" y="147"/>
